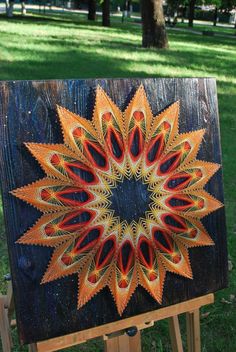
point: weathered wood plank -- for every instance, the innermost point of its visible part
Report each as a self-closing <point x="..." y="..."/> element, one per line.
<point x="28" y="114"/>
<point x="111" y="328"/>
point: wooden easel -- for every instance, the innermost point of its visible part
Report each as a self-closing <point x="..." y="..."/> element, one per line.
<point x="115" y="334"/>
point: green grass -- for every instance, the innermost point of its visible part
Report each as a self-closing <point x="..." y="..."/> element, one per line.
<point x="67" y="46"/>
<point x="208" y="27"/>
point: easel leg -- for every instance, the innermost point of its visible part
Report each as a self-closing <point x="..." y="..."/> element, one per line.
<point x="10" y="301"/>
<point x="135" y="343"/>
<point x="193" y="331"/>
<point x="5" y="326"/>
<point x="124" y="343"/>
<point x="33" y="347"/>
<point x="117" y="343"/>
<point x="175" y="335"/>
<point x="112" y="345"/>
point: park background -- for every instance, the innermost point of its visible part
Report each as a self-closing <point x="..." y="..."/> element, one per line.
<point x="56" y="40"/>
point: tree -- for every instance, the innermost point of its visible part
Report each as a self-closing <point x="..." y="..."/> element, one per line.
<point x="127" y="6"/>
<point x="92" y="10"/>
<point x="228" y="5"/>
<point x="173" y="6"/>
<point x="106" y="13"/>
<point x="217" y="4"/>
<point x="192" y="4"/>
<point x="153" y="21"/>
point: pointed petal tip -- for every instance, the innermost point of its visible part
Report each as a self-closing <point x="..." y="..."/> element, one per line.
<point x="141" y="86"/>
<point x="19" y="241"/>
<point x="120" y="310"/>
<point x="210" y="243"/>
<point x="45" y="280"/>
<point x="176" y="104"/>
<point x="200" y="132"/>
<point x="80" y="303"/>
<point x="59" y="109"/>
<point x="47" y="277"/>
<point x="99" y="88"/>
<point x="31" y="146"/>
<point x="13" y="192"/>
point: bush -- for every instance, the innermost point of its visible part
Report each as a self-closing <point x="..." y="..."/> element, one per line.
<point x="209" y="16"/>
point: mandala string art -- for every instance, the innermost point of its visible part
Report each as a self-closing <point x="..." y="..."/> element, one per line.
<point x="122" y="201"/>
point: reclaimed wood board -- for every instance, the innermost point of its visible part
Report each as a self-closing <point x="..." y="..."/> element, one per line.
<point x="115" y="217"/>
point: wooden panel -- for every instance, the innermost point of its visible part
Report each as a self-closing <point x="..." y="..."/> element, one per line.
<point x="28" y="114"/>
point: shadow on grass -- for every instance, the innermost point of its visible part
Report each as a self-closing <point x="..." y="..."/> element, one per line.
<point x="68" y="57"/>
<point x="73" y="20"/>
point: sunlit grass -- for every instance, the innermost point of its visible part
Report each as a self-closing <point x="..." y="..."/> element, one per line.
<point x="219" y="29"/>
<point x="67" y="46"/>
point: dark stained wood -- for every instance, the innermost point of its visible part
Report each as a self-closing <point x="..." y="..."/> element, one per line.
<point x="117" y="328"/>
<point x="27" y="113"/>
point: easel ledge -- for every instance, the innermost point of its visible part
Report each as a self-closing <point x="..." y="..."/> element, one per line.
<point x="114" y="333"/>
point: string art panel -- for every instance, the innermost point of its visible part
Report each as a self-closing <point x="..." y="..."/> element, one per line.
<point x="113" y="200"/>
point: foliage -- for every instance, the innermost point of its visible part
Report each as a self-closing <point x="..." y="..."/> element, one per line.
<point x="223" y="4"/>
<point x="228" y="4"/>
<point x="67" y="46"/>
<point x="217" y="3"/>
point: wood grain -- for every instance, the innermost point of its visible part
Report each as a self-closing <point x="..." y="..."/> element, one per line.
<point x="138" y="320"/>
<point x="27" y="114"/>
<point x="175" y="335"/>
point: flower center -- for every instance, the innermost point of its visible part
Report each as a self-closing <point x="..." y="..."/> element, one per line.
<point x="130" y="199"/>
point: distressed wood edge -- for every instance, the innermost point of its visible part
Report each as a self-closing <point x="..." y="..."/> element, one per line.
<point x="42" y="81"/>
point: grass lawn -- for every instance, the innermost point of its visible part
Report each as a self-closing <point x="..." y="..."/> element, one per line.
<point x="209" y="27"/>
<point x="67" y="46"/>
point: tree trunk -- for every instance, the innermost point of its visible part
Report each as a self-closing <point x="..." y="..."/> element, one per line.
<point x="10" y="9"/>
<point x="125" y="5"/>
<point x="129" y="3"/>
<point x="92" y="10"/>
<point x="7" y="5"/>
<point x="153" y="20"/>
<point x="106" y="13"/>
<point x="191" y="12"/>
<point x="215" y="16"/>
<point x="183" y="13"/>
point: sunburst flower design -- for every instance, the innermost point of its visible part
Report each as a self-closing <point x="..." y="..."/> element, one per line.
<point x="122" y="199"/>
